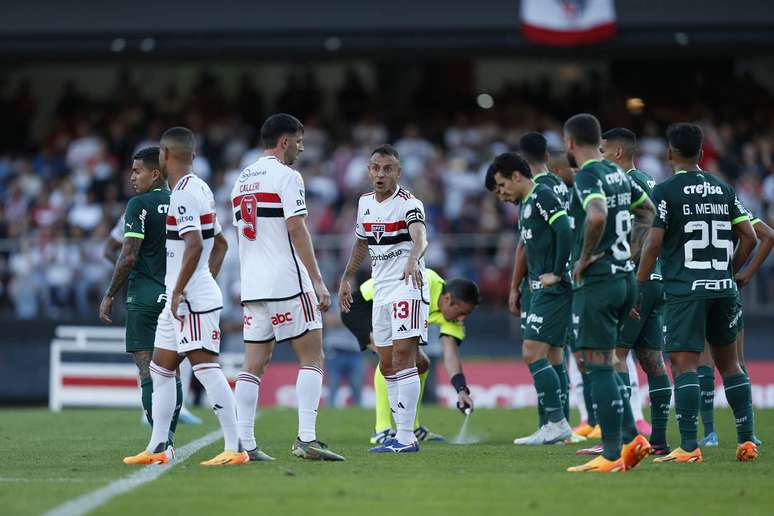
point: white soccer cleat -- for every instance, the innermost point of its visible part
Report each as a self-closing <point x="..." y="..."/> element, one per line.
<point x="549" y="433"/>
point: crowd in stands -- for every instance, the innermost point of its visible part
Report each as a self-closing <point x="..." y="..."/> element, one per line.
<point x="62" y="190"/>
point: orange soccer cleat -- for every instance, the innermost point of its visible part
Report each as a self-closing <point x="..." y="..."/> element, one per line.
<point x="600" y="465"/>
<point x="633" y="453"/>
<point x="746" y="451"/>
<point x="680" y="455"/>
<point x="596" y="433"/>
<point x="146" y="457"/>
<point x="228" y="458"/>
<point x="583" y="429"/>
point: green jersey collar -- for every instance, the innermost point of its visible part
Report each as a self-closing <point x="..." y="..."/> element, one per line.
<point x="589" y="162"/>
<point x="534" y="185"/>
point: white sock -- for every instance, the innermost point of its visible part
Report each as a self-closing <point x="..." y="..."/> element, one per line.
<point x="164" y="399"/>
<point x="186" y="373"/>
<point x="246" y="395"/>
<point x="219" y="393"/>
<point x="408" y="397"/>
<point x="635" y="400"/>
<point x="576" y="389"/>
<point x="308" y="390"/>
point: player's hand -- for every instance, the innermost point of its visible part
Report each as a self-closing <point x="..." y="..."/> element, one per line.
<point x="742" y="279"/>
<point x="105" y="307"/>
<point x="177" y="298"/>
<point x="464" y="401"/>
<point x="581" y="265"/>
<point x="345" y="295"/>
<point x="636" y="310"/>
<point x="411" y="270"/>
<point x="514" y="302"/>
<point x="549" y="279"/>
<point x="323" y="296"/>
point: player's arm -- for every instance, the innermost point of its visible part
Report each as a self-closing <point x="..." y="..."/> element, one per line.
<point x="453" y="365"/>
<point x="596" y="217"/>
<point x="559" y="222"/>
<point x="302" y="243"/>
<point x="112" y="250"/>
<point x="418" y="233"/>
<point x="219" y="248"/>
<point x="519" y="271"/>
<point x="643" y="210"/>
<point x="356" y="257"/>
<point x="746" y="235"/>
<point x="766" y="238"/>
<point x="124" y="265"/>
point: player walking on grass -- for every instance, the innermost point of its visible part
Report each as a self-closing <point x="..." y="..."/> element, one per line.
<point x="188" y="326"/>
<point x="283" y="293"/>
<point x="603" y="282"/>
<point x="391" y="227"/>
<point x="697" y="214"/>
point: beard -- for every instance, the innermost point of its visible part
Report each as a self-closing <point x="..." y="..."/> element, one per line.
<point x="571" y="160"/>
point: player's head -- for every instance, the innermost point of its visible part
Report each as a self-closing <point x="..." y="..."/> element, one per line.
<point x="146" y="173"/>
<point x="619" y="146"/>
<point x="459" y="298"/>
<point x="559" y="165"/>
<point x="581" y="131"/>
<point x="513" y="177"/>
<point x="685" y="141"/>
<point x="283" y="134"/>
<point x="491" y="183"/>
<point x="178" y="144"/>
<point x="384" y="169"/>
<point x="534" y="147"/>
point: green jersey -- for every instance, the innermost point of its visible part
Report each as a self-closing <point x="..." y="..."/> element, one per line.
<point x="545" y="230"/>
<point x="647" y="183"/>
<point x="601" y="179"/>
<point x="697" y="212"/>
<point x="145" y="218"/>
<point x="556" y="184"/>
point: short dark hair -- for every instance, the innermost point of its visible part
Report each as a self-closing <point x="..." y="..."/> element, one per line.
<point x="686" y="139"/>
<point x="386" y="150"/>
<point x="182" y="137"/>
<point x="584" y="128"/>
<point x="462" y="290"/>
<point x="278" y="125"/>
<point x="507" y="162"/>
<point x="533" y="147"/>
<point x="149" y="157"/>
<point x="624" y="136"/>
<point x="489" y="179"/>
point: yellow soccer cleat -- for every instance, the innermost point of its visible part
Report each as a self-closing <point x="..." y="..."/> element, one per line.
<point x="583" y="429"/>
<point x="228" y="458"/>
<point x="600" y="465"/>
<point x="680" y="455"/>
<point x="596" y="433"/>
<point x="746" y="451"/>
<point x="633" y="453"/>
<point x="145" y="457"/>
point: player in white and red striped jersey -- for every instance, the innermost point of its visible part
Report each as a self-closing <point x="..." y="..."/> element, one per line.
<point x="391" y="228"/>
<point x="189" y="324"/>
<point x="282" y="289"/>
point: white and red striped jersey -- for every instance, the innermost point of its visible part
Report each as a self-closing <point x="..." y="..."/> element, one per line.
<point x="191" y="208"/>
<point x="265" y="195"/>
<point x="384" y="225"/>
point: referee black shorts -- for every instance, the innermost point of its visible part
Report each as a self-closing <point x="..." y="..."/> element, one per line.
<point x="358" y="319"/>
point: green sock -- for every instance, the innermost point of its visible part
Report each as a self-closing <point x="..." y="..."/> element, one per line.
<point x="739" y="396"/>
<point x="707" y="407"/>
<point x="146" y="386"/>
<point x="628" y="425"/>
<point x="383" y="412"/>
<point x="660" y="395"/>
<point x="687" y="409"/>
<point x="564" y="386"/>
<point x="607" y="397"/>
<point x="548" y="390"/>
<point x="176" y="413"/>
<point x="422" y="380"/>
<point x="744" y="370"/>
<point x="588" y="400"/>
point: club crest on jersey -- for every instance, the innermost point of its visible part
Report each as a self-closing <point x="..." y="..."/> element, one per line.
<point x="378" y="231"/>
<point x="527" y="211"/>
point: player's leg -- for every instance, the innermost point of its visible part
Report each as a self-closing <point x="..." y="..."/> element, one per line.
<point x="706" y="372"/>
<point x="635" y="397"/>
<point x="660" y="392"/>
<point x="142" y="359"/>
<point x="628" y="424"/>
<point x="557" y="360"/>
<point x="406" y="379"/>
<point x="423" y="368"/>
<point x="185" y="373"/>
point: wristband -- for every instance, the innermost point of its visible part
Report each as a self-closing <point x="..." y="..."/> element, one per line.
<point x="458" y="381"/>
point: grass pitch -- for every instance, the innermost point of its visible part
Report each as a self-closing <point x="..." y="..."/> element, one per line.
<point x="47" y="459"/>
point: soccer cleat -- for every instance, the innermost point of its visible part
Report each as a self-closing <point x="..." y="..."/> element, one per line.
<point x="643" y="427"/>
<point x="594" y="450"/>
<point x="680" y="455"/>
<point x="423" y="434"/>
<point x="756" y="441"/>
<point x="380" y="437"/>
<point x="600" y="465"/>
<point x="660" y="450"/>
<point x="257" y="455"/>
<point x="313" y="450"/>
<point x="633" y="452"/>
<point x="710" y="441"/>
<point x="596" y="433"/>
<point x="549" y="433"/>
<point x="746" y="451"/>
<point x="583" y="429"/>
<point x="575" y="439"/>
<point x="146" y="457"/>
<point x="228" y="458"/>
<point x="186" y="417"/>
<point x="394" y="446"/>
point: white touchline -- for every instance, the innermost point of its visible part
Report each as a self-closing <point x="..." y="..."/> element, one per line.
<point x="90" y="501"/>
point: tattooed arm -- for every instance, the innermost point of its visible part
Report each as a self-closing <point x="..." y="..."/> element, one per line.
<point x="643" y="220"/>
<point x="596" y="217"/>
<point x="124" y="266"/>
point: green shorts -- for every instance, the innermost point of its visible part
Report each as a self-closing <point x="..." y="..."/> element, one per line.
<point x="572" y="331"/>
<point x="740" y="318"/>
<point x="689" y="322"/>
<point x="140" y="330"/>
<point x="648" y="331"/>
<point x="526" y="297"/>
<point x="601" y="306"/>
<point x="550" y="313"/>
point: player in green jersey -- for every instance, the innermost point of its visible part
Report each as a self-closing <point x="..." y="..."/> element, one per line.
<point x="697" y="214"/>
<point x="603" y="282"/>
<point x="545" y="231"/>
<point x="644" y="335"/>
<point x="142" y="262"/>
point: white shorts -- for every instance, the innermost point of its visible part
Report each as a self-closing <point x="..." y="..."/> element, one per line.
<point x="200" y="330"/>
<point x="265" y="321"/>
<point x="399" y="320"/>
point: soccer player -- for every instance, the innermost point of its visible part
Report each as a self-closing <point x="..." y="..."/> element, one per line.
<point x="450" y="303"/>
<point x="603" y="282"/>
<point x="545" y="231"/>
<point x="697" y="214"/>
<point x="391" y="228"/>
<point x="283" y="292"/>
<point x="188" y="326"/>
<point x="645" y="335"/>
